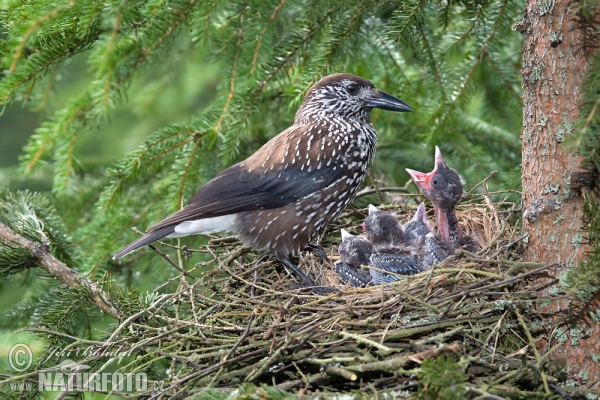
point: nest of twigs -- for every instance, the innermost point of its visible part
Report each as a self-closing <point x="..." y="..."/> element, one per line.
<point x="464" y="328"/>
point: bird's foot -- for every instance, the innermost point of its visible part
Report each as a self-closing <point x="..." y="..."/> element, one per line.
<point x="306" y="282"/>
<point x="300" y="274"/>
<point x="317" y="250"/>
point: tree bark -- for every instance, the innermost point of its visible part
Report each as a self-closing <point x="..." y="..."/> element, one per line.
<point x="555" y="59"/>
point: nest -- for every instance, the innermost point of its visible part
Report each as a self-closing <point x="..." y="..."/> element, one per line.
<point x="464" y="328"/>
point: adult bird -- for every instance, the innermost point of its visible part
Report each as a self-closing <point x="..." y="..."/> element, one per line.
<point x="282" y="196"/>
<point x="443" y="186"/>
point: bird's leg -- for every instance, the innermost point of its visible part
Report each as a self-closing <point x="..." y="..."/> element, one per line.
<point x="305" y="279"/>
<point x="318" y="250"/>
<point x="319" y="290"/>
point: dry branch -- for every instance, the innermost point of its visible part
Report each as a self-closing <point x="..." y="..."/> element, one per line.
<point x="42" y="257"/>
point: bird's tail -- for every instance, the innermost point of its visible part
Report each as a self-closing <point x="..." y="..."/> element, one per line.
<point x="144" y="241"/>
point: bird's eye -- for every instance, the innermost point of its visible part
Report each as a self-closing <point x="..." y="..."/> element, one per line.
<point x="352" y="89"/>
<point x="435" y="182"/>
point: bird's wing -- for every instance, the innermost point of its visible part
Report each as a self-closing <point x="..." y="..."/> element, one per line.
<point x="357" y="277"/>
<point x="402" y="264"/>
<point x="435" y="248"/>
<point x="258" y="184"/>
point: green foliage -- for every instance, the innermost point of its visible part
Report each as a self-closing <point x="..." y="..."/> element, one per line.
<point x="584" y="280"/>
<point x="442" y="378"/>
<point x="447" y="60"/>
<point x="588" y="139"/>
<point x="236" y="72"/>
<point x="456" y="63"/>
<point x="34" y="217"/>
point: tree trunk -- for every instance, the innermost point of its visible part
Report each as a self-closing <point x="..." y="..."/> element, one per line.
<point x="555" y="61"/>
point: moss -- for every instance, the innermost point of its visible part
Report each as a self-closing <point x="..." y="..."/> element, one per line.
<point x="501" y="305"/>
<point x="561" y="335"/>
<point x="551" y="188"/>
<point x="556" y="38"/>
<point x="542" y="121"/>
<point x="576" y="240"/>
<point x="535" y="72"/>
<point x="537" y="324"/>
<point x="563" y="131"/>
<point x="563" y="278"/>
<point x="546" y="7"/>
<point x="577" y="332"/>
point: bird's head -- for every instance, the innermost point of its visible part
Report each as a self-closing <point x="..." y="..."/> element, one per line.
<point x="382" y="227"/>
<point x="354" y="250"/>
<point x="421" y="216"/>
<point x="442" y="186"/>
<point x="418" y="227"/>
<point x="345" y="95"/>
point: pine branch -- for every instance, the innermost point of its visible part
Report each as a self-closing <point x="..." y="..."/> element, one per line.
<point x="40" y="255"/>
<point x="262" y="35"/>
<point x="405" y="22"/>
<point x="475" y="63"/>
<point x="435" y="64"/>
<point x="32" y="28"/>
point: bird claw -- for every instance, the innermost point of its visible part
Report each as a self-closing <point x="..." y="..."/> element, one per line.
<point x="317" y="250"/>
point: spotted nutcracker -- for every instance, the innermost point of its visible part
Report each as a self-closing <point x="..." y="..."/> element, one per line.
<point x="419" y="234"/>
<point x="393" y="255"/>
<point x="382" y="228"/>
<point x="443" y="186"/>
<point x="354" y="251"/>
<point x="282" y="196"/>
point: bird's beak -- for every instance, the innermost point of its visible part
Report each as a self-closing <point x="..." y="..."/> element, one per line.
<point x="418" y="177"/>
<point x="372" y="209"/>
<point x="345" y="234"/>
<point x="421" y="179"/>
<point x="421" y="215"/>
<point x="438" y="158"/>
<point x="387" y="102"/>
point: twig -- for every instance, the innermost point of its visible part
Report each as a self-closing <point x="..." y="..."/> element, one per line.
<point x="242" y="338"/>
<point x="133" y="317"/>
<point x="480" y="183"/>
<point x="344" y="373"/>
<point x="509" y="245"/>
<point x="485" y="395"/>
<point x="362" y="339"/>
<point x="532" y="345"/>
<point x="44" y="259"/>
<point x="166" y="256"/>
